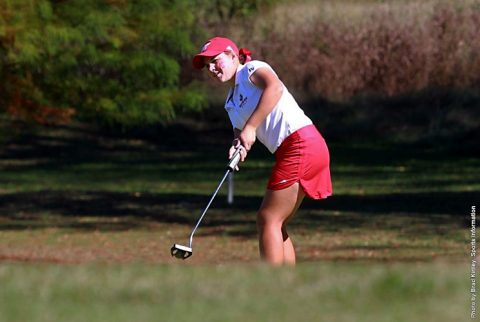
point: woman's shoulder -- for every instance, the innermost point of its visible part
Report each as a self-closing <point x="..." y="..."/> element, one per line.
<point x="257" y="64"/>
<point x="253" y="65"/>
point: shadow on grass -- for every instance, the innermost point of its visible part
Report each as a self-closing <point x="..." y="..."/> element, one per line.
<point x="92" y="209"/>
<point x="100" y="210"/>
<point x="59" y="146"/>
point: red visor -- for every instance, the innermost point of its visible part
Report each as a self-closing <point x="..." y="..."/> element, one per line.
<point x="212" y="48"/>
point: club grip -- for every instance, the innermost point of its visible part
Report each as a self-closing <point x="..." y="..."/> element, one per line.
<point x="235" y="159"/>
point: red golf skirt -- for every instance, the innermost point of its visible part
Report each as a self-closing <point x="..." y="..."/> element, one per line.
<point x="303" y="157"/>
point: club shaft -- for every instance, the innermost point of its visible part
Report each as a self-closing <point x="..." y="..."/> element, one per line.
<point x="206" y="208"/>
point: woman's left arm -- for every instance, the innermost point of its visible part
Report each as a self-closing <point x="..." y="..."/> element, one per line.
<point x="272" y="87"/>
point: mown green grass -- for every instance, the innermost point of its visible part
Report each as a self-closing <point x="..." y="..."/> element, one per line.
<point x="311" y="292"/>
<point x="87" y="221"/>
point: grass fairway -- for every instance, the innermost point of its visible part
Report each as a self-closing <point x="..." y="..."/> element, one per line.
<point x="311" y="292"/>
<point x="87" y="221"/>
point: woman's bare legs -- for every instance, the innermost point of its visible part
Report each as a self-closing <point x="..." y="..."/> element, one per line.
<point x="289" y="257"/>
<point x="277" y="207"/>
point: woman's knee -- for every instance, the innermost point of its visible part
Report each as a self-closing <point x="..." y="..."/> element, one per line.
<point x="267" y="219"/>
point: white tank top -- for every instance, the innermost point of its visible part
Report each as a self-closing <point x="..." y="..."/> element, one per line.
<point x="285" y="118"/>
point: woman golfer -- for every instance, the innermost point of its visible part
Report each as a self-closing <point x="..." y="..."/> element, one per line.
<point x="260" y="106"/>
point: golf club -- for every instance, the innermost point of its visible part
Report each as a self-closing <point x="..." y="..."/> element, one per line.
<point x="184" y="252"/>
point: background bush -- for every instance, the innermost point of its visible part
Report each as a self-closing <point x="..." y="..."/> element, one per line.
<point x="114" y="61"/>
<point x="402" y="70"/>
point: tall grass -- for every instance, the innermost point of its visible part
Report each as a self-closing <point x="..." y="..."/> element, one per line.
<point x="400" y="70"/>
<point x="338" y="49"/>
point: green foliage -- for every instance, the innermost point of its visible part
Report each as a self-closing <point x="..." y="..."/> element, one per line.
<point x="115" y="61"/>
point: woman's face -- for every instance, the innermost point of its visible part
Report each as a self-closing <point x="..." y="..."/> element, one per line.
<point x="221" y="67"/>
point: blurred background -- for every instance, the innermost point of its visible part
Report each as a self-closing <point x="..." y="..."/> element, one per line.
<point x="390" y="71"/>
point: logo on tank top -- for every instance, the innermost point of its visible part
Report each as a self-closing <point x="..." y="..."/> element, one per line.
<point x="243" y="100"/>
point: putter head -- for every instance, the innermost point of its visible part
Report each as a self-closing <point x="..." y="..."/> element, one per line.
<point x="180" y="251"/>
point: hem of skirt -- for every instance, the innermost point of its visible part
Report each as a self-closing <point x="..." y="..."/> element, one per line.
<point x="282" y="186"/>
<point x="316" y="196"/>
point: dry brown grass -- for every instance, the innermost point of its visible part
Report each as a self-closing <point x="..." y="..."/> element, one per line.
<point x="406" y="71"/>
<point x="341" y="49"/>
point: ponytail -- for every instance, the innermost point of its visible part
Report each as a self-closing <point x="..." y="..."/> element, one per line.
<point x="244" y="55"/>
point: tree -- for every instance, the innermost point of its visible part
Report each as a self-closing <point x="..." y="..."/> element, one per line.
<point x="116" y="61"/>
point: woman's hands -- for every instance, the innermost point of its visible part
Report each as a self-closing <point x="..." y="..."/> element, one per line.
<point x="247" y="137"/>
<point x="238" y="142"/>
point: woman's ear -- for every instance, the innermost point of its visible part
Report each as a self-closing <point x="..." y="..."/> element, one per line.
<point x="235" y="57"/>
<point x="231" y="54"/>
